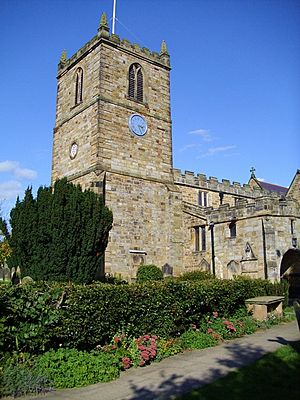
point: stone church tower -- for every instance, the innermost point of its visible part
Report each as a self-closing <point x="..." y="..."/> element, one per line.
<point x="113" y="135"/>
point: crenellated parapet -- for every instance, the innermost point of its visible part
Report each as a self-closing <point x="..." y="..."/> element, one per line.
<point x="201" y="182"/>
<point x="104" y="36"/>
<point x="269" y="205"/>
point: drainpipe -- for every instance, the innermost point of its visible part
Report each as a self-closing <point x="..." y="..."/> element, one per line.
<point x="264" y="249"/>
<point x="211" y="228"/>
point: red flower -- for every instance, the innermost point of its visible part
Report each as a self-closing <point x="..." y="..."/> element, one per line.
<point x="116" y="339"/>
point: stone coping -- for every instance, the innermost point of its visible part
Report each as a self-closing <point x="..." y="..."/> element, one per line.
<point x="264" y="300"/>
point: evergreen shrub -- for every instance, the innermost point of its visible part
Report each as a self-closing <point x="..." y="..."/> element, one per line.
<point x="60" y="235"/>
<point x="196" y="276"/>
<point x="41" y="316"/>
<point x="149" y="273"/>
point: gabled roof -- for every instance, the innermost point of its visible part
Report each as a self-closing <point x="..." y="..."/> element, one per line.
<point x="272" y="188"/>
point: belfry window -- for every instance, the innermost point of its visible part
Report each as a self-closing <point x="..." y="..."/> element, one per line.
<point x="136" y="83"/>
<point x="79" y="86"/>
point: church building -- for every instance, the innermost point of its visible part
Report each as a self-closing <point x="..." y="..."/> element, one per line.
<point x="113" y="134"/>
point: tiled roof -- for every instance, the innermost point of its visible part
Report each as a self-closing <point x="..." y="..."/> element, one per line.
<point x="273" y="188"/>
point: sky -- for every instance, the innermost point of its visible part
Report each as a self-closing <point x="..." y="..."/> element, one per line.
<point x="235" y="82"/>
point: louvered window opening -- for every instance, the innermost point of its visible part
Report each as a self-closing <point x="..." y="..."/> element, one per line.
<point x="136" y="83"/>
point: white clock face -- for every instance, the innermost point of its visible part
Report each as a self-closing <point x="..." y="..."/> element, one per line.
<point x="73" y="150"/>
<point x="137" y="124"/>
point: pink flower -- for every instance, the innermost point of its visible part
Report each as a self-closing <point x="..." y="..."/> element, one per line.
<point x="141" y="363"/>
<point x="145" y="355"/>
<point x="153" y="353"/>
<point x="116" y="339"/>
<point x="113" y="347"/>
<point x="126" y="362"/>
<point x="210" y="330"/>
<point x="215" y="314"/>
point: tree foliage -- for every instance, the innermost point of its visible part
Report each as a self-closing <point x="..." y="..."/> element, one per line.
<point x="61" y="234"/>
<point x="5" y="250"/>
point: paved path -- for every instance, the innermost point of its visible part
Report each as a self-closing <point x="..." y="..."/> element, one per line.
<point x="183" y="372"/>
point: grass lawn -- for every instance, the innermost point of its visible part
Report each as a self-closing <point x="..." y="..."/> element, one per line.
<point x="275" y="376"/>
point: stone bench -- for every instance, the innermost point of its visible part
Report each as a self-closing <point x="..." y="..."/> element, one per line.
<point x="264" y="305"/>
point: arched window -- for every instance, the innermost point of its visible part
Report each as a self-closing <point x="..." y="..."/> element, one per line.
<point x="136" y="82"/>
<point x="79" y="86"/>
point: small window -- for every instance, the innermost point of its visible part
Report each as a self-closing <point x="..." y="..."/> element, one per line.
<point x="221" y="195"/>
<point x="202" y="198"/>
<point x="203" y="238"/>
<point x="292" y="226"/>
<point x="79" y="86"/>
<point x="200" y="238"/>
<point x="232" y="229"/>
<point x="197" y="237"/>
<point x="136" y="83"/>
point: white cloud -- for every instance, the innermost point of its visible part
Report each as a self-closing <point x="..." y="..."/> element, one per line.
<point x="10" y="190"/>
<point x="25" y="173"/>
<point x="188" y="146"/>
<point x="215" y="150"/>
<point x="8" y="166"/>
<point x="14" y="168"/>
<point x="204" y="133"/>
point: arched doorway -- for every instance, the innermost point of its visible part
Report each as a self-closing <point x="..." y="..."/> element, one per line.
<point x="290" y="270"/>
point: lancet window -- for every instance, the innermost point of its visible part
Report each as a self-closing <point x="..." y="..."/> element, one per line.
<point x="79" y="86"/>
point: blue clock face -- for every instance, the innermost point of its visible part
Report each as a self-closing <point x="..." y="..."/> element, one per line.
<point x="137" y="124"/>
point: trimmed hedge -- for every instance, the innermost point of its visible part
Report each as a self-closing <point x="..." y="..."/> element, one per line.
<point x="149" y="273"/>
<point x="39" y="316"/>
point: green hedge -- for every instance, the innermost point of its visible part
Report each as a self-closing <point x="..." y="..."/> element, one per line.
<point x="39" y="316"/>
<point x="149" y="272"/>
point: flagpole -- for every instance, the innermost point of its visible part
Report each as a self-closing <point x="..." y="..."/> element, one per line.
<point x="114" y="17"/>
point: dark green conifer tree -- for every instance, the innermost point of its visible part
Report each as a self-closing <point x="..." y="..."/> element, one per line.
<point x="24" y="217"/>
<point x="61" y="235"/>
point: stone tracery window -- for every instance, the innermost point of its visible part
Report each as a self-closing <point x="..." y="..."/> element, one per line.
<point x="136" y="83"/>
<point x="79" y="86"/>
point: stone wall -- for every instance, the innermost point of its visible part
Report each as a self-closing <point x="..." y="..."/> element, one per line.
<point x="147" y="225"/>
